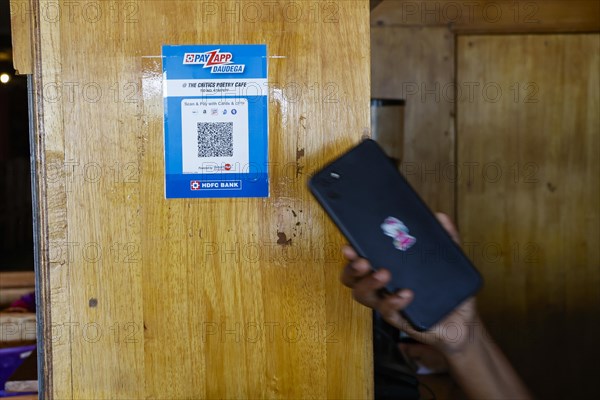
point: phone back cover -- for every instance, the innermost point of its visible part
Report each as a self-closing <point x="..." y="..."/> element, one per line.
<point x="387" y="223"/>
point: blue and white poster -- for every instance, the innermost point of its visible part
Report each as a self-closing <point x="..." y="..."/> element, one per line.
<point x="216" y="121"/>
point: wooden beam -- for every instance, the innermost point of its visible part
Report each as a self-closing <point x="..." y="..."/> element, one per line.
<point x="17" y="279"/>
<point x="20" y="25"/>
<point x="17" y="327"/>
<point x="21" y="386"/>
<point x="25" y="397"/>
<point x="497" y="16"/>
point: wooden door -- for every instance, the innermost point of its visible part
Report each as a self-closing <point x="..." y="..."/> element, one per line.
<point x="144" y="297"/>
<point x="528" y="200"/>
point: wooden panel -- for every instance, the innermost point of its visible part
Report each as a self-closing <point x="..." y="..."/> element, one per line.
<point x="417" y="65"/>
<point x="528" y="200"/>
<point x="17" y="329"/>
<point x="16" y="279"/>
<point x="20" y="26"/>
<point x="492" y="16"/>
<point x="195" y="298"/>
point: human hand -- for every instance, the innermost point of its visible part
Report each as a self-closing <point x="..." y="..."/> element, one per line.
<point x="448" y="336"/>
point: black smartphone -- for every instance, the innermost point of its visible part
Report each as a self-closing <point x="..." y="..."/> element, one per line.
<point x="386" y="222"/>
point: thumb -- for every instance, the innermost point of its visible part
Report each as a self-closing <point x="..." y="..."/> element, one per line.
<point x="448" y="226"/>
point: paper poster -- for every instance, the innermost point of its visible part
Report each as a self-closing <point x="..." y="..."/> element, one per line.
<point x="216" y="121"/>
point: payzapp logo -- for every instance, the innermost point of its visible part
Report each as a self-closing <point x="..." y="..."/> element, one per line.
<point x="219" y="63"/>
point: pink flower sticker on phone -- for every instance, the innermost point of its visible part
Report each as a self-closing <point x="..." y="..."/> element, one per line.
<point x="395" y="229"/>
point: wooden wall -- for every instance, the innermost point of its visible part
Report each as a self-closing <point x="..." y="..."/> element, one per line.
<point x="503" y="131"/>
<point x="149" y="298"/>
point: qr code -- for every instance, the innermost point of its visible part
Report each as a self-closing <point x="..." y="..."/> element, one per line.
<point x="215" y="139"/>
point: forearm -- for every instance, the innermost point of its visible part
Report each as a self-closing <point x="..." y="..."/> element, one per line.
<point x="483" y="372"/>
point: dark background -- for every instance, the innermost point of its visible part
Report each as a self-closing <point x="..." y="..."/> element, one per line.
<point x="16" y="238"/>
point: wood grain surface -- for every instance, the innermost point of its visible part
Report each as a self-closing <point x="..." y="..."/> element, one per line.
<point x="417" y="65"/>
<point x="150" y="298"/>
<point x="491" y="16"/>
<point x="20" y="23"/>
<point x="528" y="200"/>
<point x="16" y="279"/>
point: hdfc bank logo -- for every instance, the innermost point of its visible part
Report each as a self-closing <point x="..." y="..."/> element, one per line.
<point x="219" y="63"/>
<point x="194" y="185"/>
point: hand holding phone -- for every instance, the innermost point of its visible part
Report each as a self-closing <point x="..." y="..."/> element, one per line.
<point x="449" y="335"/>
<point x="387" y="223"/>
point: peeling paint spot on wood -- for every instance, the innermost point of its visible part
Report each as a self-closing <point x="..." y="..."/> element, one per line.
<point x="283" y="240"/>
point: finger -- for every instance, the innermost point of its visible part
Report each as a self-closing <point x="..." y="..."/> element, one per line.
<point x="365" y="290"/>
<point x="349" y="253"/>
<point x="391" y="306"/>
<point x="448" y="226"/>
<point x="355" y="271"/>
